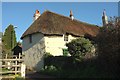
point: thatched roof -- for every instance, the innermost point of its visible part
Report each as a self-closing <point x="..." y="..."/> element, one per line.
<point x="50" y="23"/>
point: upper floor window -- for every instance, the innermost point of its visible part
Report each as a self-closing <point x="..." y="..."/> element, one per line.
<point x="30" y="38"/>
<point x="66" y="37"/>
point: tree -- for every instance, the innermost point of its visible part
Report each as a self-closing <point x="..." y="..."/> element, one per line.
<point x="79" y="47"/>
<point x="108" y="41"/>
<point x="9" y="39"/>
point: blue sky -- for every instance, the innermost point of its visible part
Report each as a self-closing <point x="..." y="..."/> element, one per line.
<point x="119" y="8"/>
<point x="60" y="0"/>
<point x="20" y="14"/>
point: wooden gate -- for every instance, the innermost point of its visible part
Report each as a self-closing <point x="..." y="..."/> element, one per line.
<point x="12" y="66"/>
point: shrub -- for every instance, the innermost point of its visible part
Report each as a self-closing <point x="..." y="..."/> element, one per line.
<point x="79" y="47"/>
<point x="47" y="54"/>
<point x="50" y="68"/>
<point x="108" y="41"/>
<point x="65" y="52"/>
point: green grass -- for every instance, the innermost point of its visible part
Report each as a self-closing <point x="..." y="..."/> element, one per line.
<point x="4" y="69"/>
<point x="17" y="76"/>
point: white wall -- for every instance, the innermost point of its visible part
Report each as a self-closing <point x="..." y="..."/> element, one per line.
<point x="55" y="44"/>
<point x="40" y="44"/>
<point x="34" y="51"/>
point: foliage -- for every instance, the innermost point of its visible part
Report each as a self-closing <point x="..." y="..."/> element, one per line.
<point x="85" y="69"/>
<point x="9" y="39"/>
<point x="0" y="34"/>
<point x="65" y="52"/>
<point x="4" y="69"/>
<point x="18" y="77"/>
<point x="60" y="62"/>
<point x="79" y="47"/>
<point x="50" y="68"/>
<point x="108" y="41"/>
<point x="47" y="54"/>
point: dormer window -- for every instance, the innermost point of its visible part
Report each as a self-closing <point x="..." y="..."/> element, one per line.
<point x="30" y="38"/>
<point x="66" y="37"/>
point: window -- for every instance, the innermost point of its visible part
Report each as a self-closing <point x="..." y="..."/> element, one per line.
<point x="66" y="37"/>
<point x="30" y="38"/>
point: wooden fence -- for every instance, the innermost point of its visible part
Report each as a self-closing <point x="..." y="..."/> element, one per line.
<point x="12" y="65"/>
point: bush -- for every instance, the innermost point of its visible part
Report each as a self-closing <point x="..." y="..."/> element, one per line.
<point x="65" y="52"/>
<point x="108" y="41"/>
<point x="47" y="54"/>
<point x="79" y="47"/>
<point x="50" y="68"/>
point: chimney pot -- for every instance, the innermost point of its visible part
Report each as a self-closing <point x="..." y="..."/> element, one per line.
<point x="71" y="15"/>
<point x="36" y="15"/>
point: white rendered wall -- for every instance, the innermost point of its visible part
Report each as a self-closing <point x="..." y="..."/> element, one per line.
<point x="34" y="51"/>
<point x="40" y="44"/>
<point x="55" y="44"/>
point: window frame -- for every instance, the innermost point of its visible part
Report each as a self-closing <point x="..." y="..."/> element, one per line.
<point x="66" y="36"/>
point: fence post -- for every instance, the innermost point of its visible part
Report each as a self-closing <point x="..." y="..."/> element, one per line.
<point x="19" y="57"/>
<point x="6" y="56"/>
<point x="23" y="70"/>
<point x="16" y="64"/>
<point x="7" y="62"/>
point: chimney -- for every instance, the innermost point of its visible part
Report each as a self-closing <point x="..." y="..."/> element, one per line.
<point x="71" y="15"/>
<point x="36" y="15"/>
<point x="104" y="18"/>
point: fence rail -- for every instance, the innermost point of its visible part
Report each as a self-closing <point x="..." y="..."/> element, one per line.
<point x="13" y="65"/>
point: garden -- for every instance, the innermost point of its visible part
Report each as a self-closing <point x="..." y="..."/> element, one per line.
<point x="103" y="63"/>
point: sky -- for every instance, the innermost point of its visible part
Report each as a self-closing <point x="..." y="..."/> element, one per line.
<point x="60" y="0"/>
<point x="119" y="8"/>
<point x="20" y="14"/>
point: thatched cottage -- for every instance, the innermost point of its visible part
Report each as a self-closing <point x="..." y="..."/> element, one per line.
<point x="49" y="33"/>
